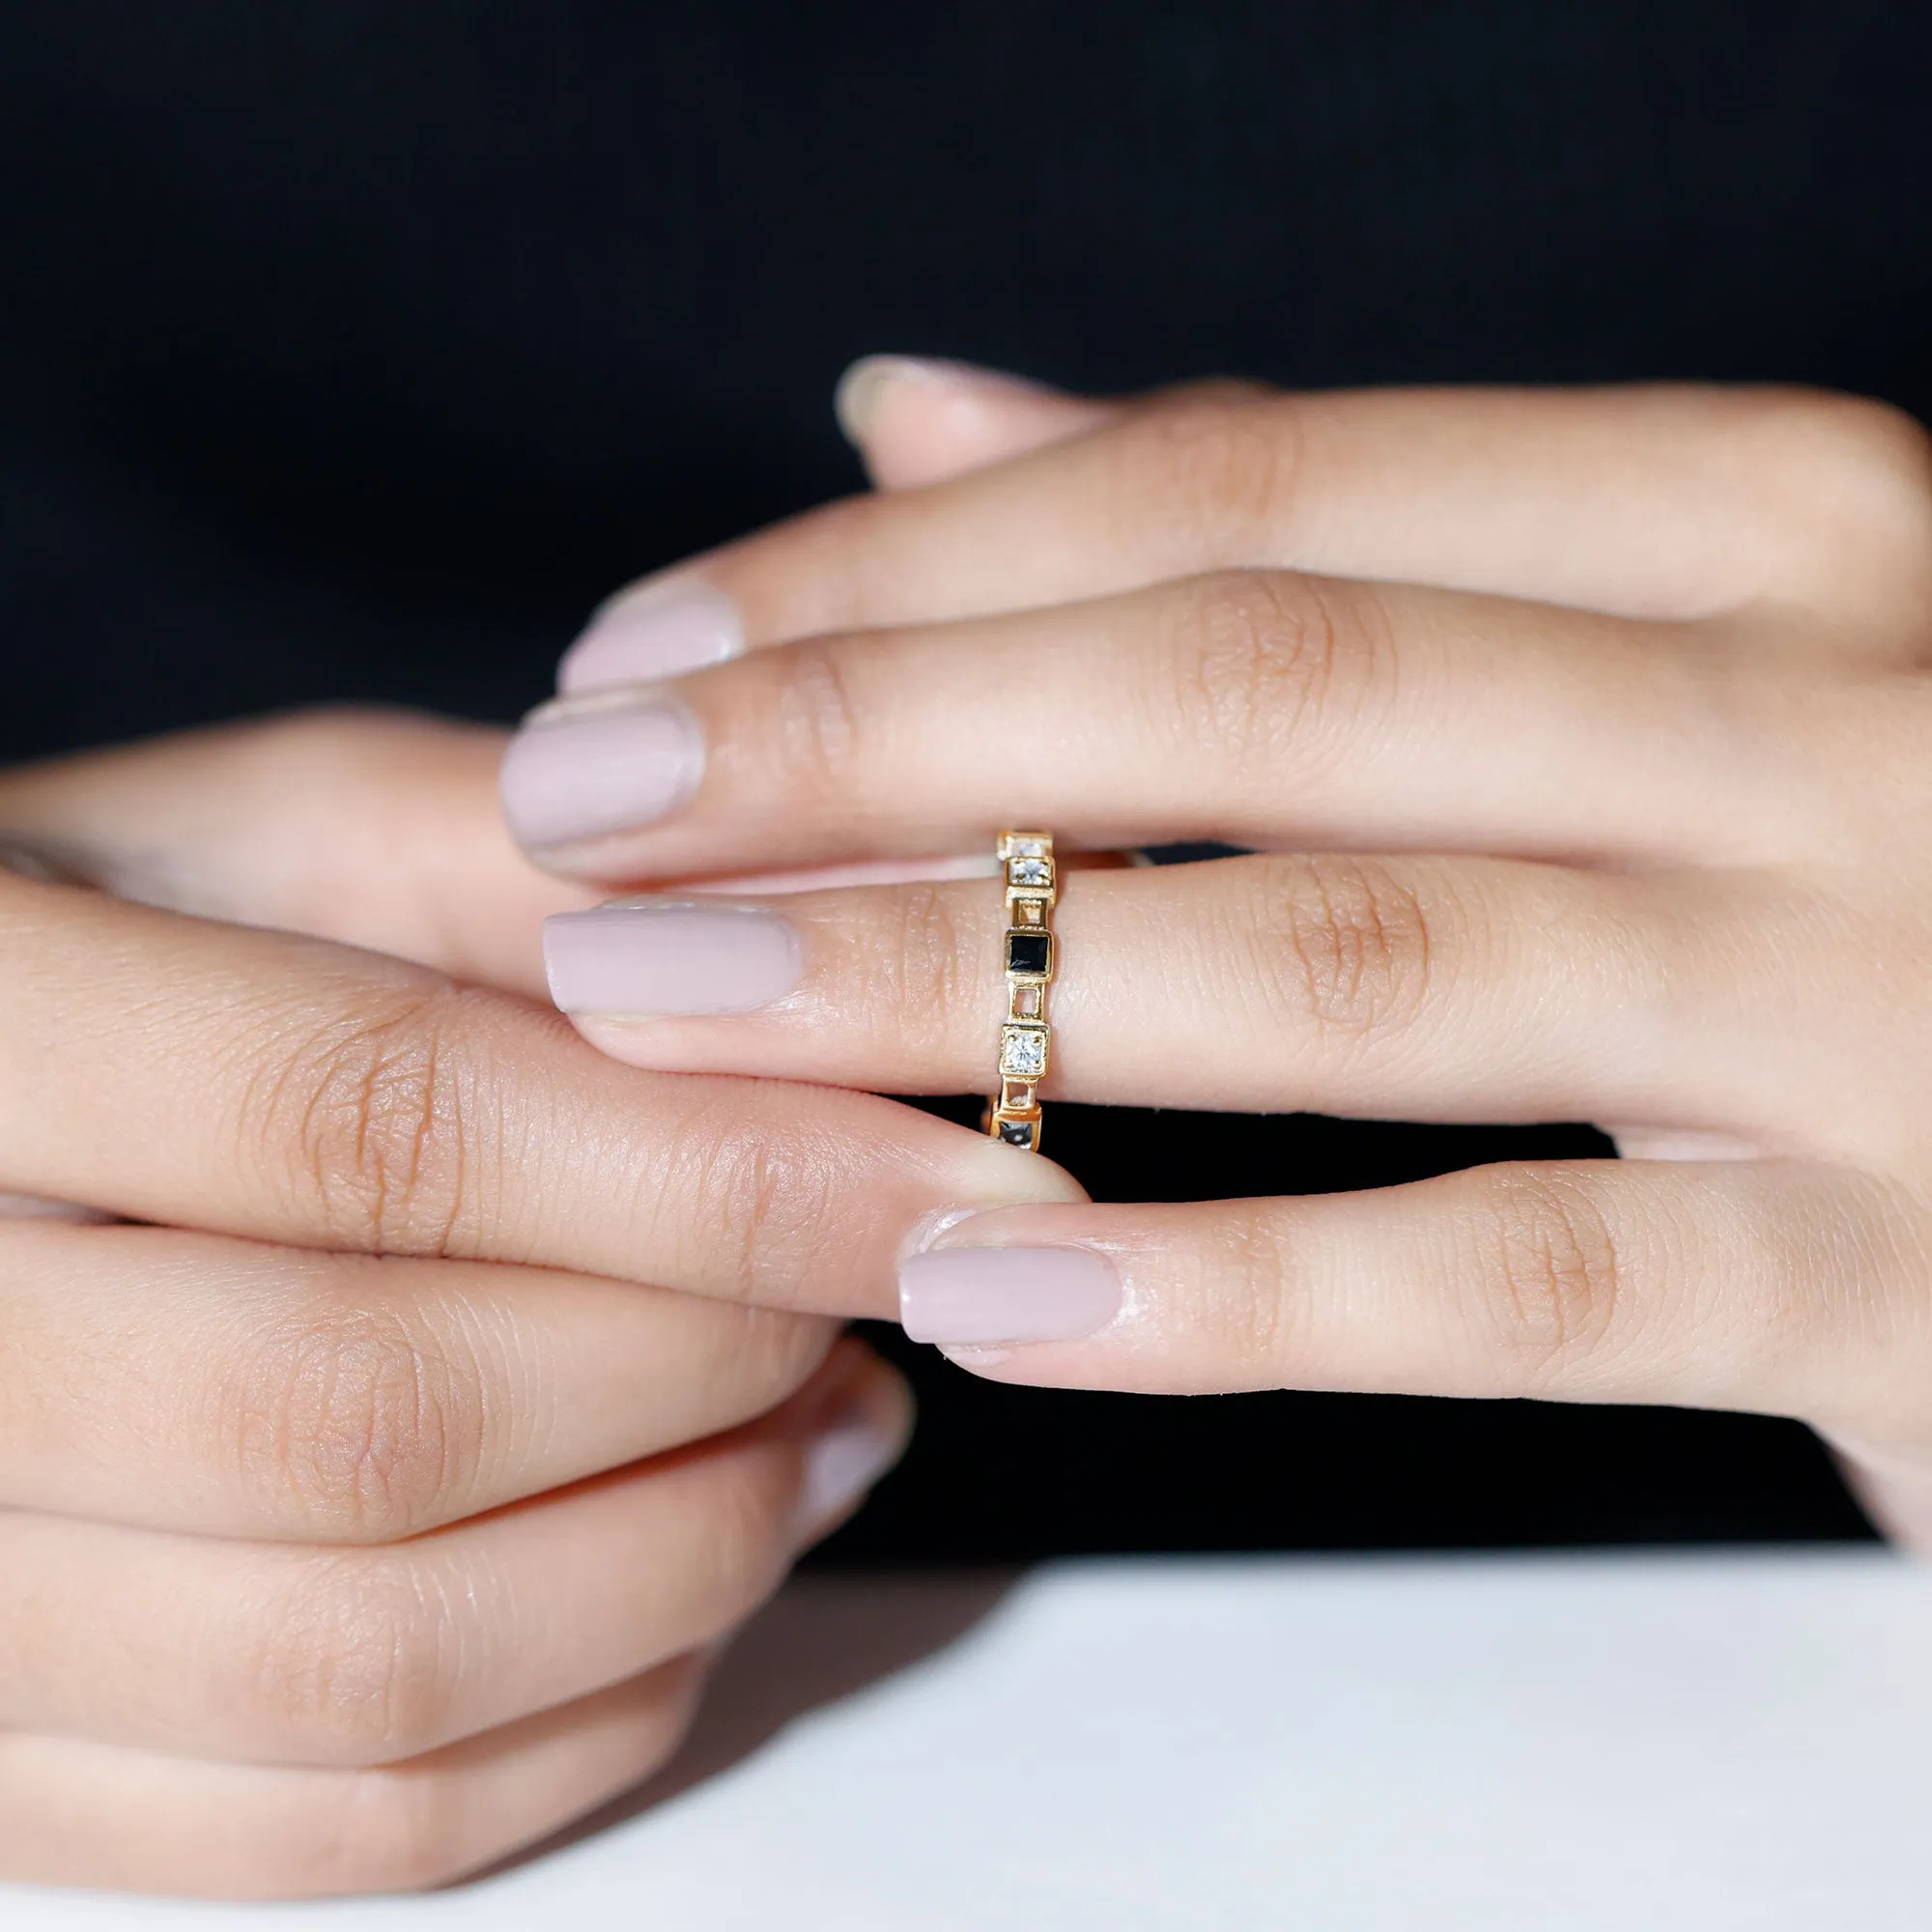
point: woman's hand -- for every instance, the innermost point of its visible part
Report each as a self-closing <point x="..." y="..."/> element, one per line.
<point x="372" y="1504"/>
<point x="1587" y="743"/>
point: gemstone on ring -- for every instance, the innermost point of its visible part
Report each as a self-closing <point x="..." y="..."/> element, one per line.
<point x="1012" y="1115"/>
<point x="1022" y="1050"/>
<point x="1030" y="952"/>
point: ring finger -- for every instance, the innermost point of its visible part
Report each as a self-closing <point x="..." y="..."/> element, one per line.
<point x="1419" y="989"/>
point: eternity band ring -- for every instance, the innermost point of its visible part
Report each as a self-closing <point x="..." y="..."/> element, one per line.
<point x="1032" y="886"/>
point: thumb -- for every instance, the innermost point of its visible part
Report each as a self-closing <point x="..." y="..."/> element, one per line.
<point x="916" y="422"/>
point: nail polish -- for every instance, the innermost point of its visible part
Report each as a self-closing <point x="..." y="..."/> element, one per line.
<point x="971" y="1296"/>
<point x="669" y="958"/>
<point x="651" y="635"/>
<point x="844" y="1460"/>
<point x="576" y="775"/>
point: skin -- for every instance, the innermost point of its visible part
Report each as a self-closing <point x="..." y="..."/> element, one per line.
<point x="1582" y="739"/>
<point x="399" y="1402"/>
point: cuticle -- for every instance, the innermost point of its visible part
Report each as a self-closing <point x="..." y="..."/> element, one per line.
<point x="929" y="1226"/>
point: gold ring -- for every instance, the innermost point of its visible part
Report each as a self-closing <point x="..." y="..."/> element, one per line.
<point x="1012" y="1115"/>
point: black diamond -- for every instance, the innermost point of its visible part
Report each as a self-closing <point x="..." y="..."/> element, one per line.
<point x="1018" y="1133"/>
<point x="1029" y="953"/>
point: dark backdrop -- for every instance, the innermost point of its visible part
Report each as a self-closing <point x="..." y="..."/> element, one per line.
<point x="352" y="349"/>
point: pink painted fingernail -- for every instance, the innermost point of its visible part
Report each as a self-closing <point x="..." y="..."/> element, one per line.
<point x="572" y="775"/>
<point x="847" y="1455"/>
<point x="955" y="1295"/>
<point x="670" y="958"/>
<point x="662" y="632"/>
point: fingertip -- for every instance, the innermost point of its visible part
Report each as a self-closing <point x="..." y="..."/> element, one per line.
<point x="921" y="420"/>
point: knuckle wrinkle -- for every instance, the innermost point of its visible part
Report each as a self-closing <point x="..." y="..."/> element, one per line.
<point x="353" y="1419"/>
<point x="1350" y="945"/>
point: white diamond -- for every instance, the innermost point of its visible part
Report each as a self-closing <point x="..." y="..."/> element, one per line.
<point x="1023" y="1052"/>
<point x="1026" y="848"/>
<point x="1029" y="872"/>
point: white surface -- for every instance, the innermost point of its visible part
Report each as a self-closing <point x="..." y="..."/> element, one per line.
<point x="1577" y="1743"/>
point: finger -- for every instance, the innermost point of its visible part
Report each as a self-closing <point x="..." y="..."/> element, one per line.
<point x="1766" y="1286"/>
<point x="195" y="1383"/>
<point x="1258" y="708"/>
<point x="304" y="1654"/>
<point x="1423" y="989"/>
<point x="76" y="1812"/>
<point x="921" y="422"/>
<point x="377" y="828"/>
<point x="914" y="423"/>
<point x="1666" y="501"/>
<point x="281" y="1089"/>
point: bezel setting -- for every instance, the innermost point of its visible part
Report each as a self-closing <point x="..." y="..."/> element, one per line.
<point x="1030" y="953"/>
<point x="1023" y="1049"/>
<point x="1031" y="882"/>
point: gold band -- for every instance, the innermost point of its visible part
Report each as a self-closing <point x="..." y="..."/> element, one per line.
<point x="1032" y="885"/>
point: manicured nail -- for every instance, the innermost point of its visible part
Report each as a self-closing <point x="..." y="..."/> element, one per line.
<point x="650" y="635"/>
<point x="32" y="1207"/>
<point x="847" y="1455"/>
<point x="863" y="385"/>
<point x="953" y="1295"/>
<point x="577" y="775"/>
<point x="670" y="958"/>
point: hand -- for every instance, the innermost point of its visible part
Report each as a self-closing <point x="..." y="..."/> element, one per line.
<point x="370" y="1501"/>
<point x="1586" y="739"/>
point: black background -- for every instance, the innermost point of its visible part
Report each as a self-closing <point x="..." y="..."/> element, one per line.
<point x="352" y="350"/>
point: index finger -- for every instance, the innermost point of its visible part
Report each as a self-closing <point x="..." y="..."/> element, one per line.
<point x="250" y="1083"/>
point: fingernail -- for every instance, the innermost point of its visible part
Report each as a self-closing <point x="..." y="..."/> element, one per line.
<point x="32" y="1207"/>
<point x="670" y="958"/>
<point x="864" y="386"/>
<point x="586" y="774"/>
<point x="951" y="1295"/>
<point x="650" y="635"/>
<point x="844" y="1460"/>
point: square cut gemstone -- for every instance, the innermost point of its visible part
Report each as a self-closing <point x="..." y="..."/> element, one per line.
<point x="1022" y="1051"/>
<point x="1029" y="871"/>
<point x="1025" y="845"/>
<point x="1030" y="952"/>
<point x="1020" y="1133"/>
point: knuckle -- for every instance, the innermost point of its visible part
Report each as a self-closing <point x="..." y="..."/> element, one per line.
<point x="397" y="1831"/>
<point x="772" y="1354"/>
<point x="921" y="974"/>
<point x="1554" y="1263"/>
<point x="771" y="1204"/>
<point x="816" y="722"/>
<point x="747" y="1547"/>
<point x="417" y="1828"/>
<point x="1247" y="1313"/>
<point x="322" y="747"/>
<point x="1868" y="464"/>
<point x="355" y="1663"/>
<point x="1823" y="425"/>
<point x="391" y="1830"/>
<point x="1262" y="662"/>
<point x="371" y="1115"/>
<point x="356" y="1421"/>
<point x="1222" y="462"/>
<point x="1345" y="942"/>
